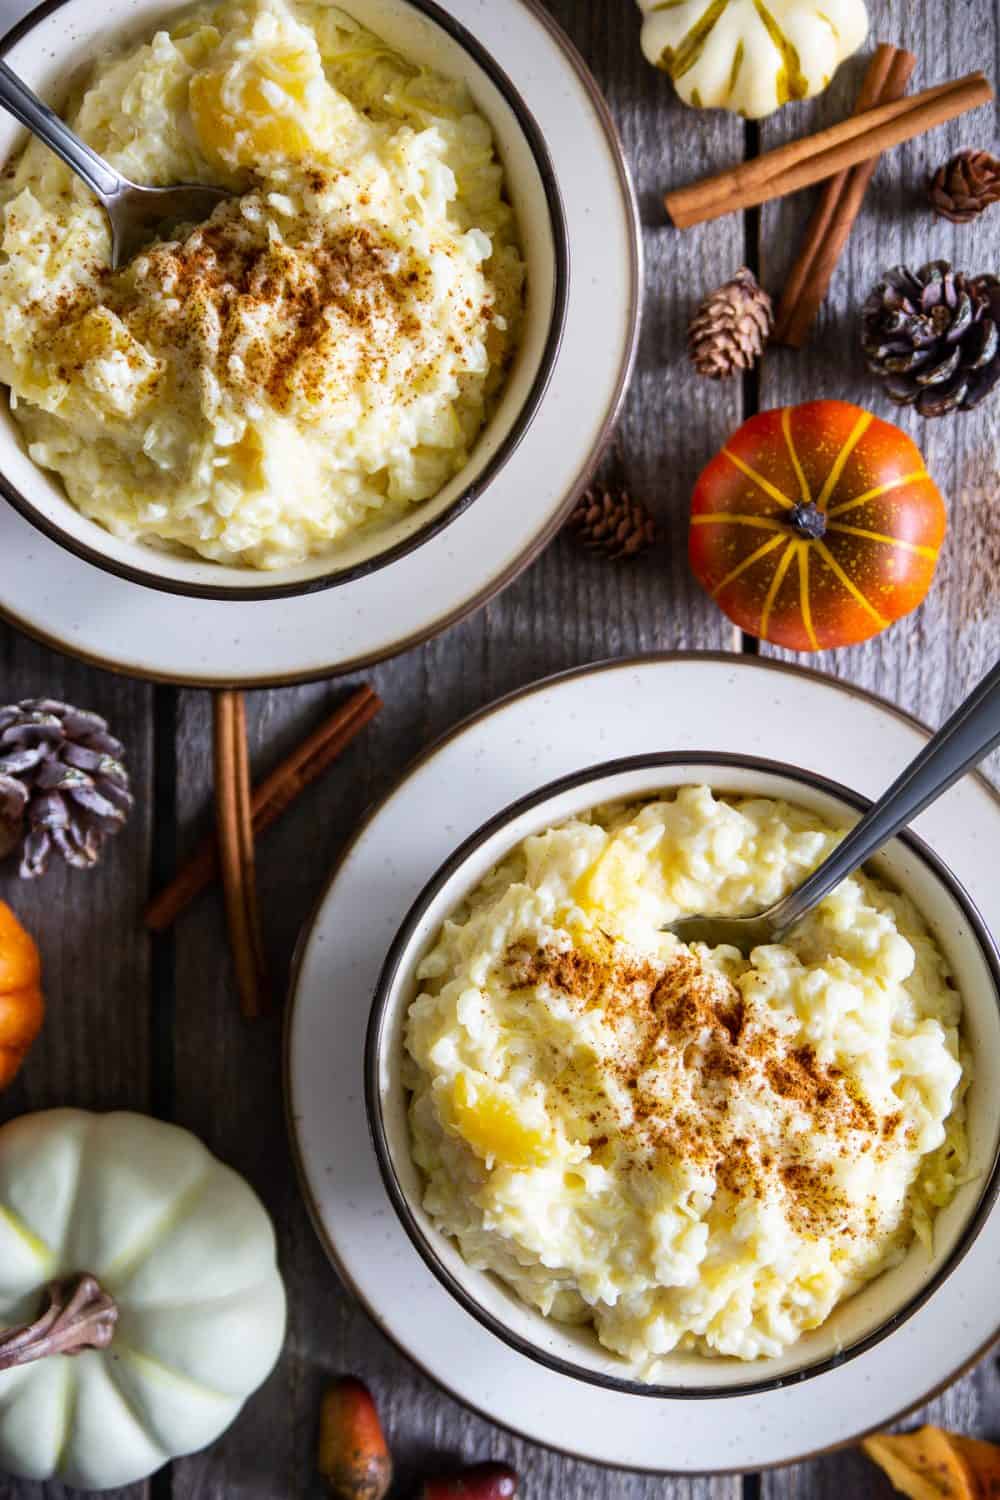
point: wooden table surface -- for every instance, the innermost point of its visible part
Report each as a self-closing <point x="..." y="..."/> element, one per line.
<point x="153" y="1026"/>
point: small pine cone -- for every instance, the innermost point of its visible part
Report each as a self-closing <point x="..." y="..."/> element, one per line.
<point x="965" y="186"/>
<point x="612" y="524"/>
<point x="731" y="328"/>
<point x="63" y="786"/>
<point x="933" y="337"/>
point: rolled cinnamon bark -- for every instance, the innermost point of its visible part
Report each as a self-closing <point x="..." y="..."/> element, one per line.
<point x="829" y="228"/>
<point x="801" y="163"/>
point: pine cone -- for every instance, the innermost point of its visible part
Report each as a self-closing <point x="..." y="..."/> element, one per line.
<point x="731" y="328"/>
<point x="965" y="186"/>
<point x="932" y="336"/>
<point x="613" y="524"/>
<point x="63" y="786"/>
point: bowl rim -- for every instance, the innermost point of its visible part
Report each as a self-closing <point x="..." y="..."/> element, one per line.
<point x="524" y="419"/>
<point x="376" y="1030"/>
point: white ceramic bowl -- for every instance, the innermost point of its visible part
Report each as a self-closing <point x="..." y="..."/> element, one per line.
<point x="53" y="48"/>
<point x="865" y="1319"/>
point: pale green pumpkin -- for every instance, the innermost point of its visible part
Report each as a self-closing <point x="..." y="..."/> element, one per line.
<point x="751" y="56"/>
<point x="185" y="1250"/>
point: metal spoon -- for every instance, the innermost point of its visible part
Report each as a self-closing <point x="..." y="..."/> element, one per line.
<point x="135" y="213"/>
<point x="969" y="735"/>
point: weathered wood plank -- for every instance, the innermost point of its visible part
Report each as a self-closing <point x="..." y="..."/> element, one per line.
<point x="926" y="664"/>
<point x="929" y="662"/>
<point x="94" y="1051"/>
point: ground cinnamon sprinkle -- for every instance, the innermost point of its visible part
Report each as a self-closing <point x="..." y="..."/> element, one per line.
<point x="687" y="1046"/>
<point x="814" y="1199"/>
<point x="822" y="1090"/>
<point x="270" y="319"/>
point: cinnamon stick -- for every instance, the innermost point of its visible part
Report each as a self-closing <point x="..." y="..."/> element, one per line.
<point x="829" y="228"/>
<point x="248" y="847"/>
<point x="271" y="798"/>
<point x="801" y="163"/>
<point x="236" y="848"/>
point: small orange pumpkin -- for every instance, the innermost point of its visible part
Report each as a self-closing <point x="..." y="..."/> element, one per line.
<point x="816" y="526"/>
<point x="22" y="1008"/>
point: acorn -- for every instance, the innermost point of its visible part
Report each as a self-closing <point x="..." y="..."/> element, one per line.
<point x="353" y="1454"/>
<point x="488" y="1481"/>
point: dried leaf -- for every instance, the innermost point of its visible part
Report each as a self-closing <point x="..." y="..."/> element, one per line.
<point x="983" y="1462"/>
<point x="925" y="1465"/>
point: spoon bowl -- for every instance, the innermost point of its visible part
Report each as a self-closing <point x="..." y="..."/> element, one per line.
<point x="744" y="933"/>
<point x="139" y="215"/>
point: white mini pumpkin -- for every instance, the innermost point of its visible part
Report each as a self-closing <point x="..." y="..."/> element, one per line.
<point x="751" y="56"/>
<point x="185" y="1250"/>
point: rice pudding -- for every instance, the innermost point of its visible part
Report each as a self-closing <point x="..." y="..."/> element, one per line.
<point x="317" y="358"/>
<point x="686" y="1149"/>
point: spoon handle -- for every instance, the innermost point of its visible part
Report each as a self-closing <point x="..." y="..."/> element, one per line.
<point x="969" y="735"/>
<point x="28" y="109"/>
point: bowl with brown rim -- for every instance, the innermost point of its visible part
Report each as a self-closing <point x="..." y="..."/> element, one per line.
<point x="46" y="50"/>
<point x="857" y="1324"/>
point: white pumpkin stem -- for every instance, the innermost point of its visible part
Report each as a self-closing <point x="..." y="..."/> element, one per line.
<point x="80" y="1315"/>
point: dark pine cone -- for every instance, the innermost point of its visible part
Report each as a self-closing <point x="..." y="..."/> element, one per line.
<point x="965" y="186"/>
<point x="612" y="524"/>
<point x="932" y="337"/>
<point x="63" y="786"/>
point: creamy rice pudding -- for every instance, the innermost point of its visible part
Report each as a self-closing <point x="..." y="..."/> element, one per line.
<point x="686" y="1149"/>
<point x="317" y="358"/>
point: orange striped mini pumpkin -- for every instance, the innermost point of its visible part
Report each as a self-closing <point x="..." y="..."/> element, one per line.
<point x="816" y="526"/>
<point x="22" y="1008"/>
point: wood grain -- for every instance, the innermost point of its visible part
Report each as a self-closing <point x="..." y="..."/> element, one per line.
<point x="154" y="1024"/>
<point x="928" y="663"/>
<point x="95" y="1049"/>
